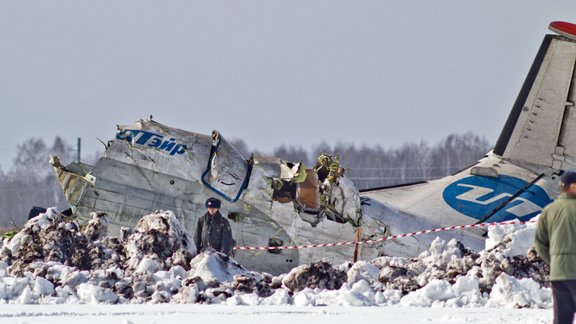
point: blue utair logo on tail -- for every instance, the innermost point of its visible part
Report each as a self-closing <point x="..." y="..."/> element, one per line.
<point x="477" y="197"/>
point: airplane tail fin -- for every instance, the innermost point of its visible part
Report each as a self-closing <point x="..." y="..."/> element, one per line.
<point x="541" y="128"/>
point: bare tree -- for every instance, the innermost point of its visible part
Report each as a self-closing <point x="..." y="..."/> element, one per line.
<point x="241" y="147"/>
<point x="293" y="153"/>
<point x="31" y="181"/>
<point x="31" y="160"/>
<point x="456" y="152"/>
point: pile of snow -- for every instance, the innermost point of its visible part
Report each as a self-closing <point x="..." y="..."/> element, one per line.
<point x="54" y="261"/>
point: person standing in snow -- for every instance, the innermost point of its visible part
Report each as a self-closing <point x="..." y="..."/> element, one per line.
<point x="213" y="230"/>
<point x="555" y="242"/>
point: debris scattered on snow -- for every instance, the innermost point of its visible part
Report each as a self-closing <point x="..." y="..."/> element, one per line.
<point x="53" y="260"/>
<point x="320" y="274"/>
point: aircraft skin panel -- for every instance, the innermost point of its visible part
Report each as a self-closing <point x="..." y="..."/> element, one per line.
<point x="228" y="171"/>
<point x="154" y="146"/>
<point x="327" y="231"/>
<point x="566" y="149"/>
<point x="402" y="222"/>
<point x="74" y="187"/>
<point x="257" y="229"/>
<point x="142" y="181"/>
<point x="479" y="196"/>
<point x="466" y="198"/>
<point x="183" y="154"/>
<point x="73" y="184"/>
<point x="120" y="200"/>
<point x="141" y="194"/>
<point x="403" y="197"/>
<point x="536" y="134"/>
<point x="518" y="106"/>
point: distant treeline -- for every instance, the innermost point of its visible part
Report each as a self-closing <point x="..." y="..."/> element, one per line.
<point x="373" y="167"/>
<point x="31" y="180"/>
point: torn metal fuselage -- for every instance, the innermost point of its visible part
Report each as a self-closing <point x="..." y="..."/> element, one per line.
<point x="270" y="202"/>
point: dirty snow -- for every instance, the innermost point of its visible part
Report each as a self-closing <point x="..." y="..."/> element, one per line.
<point x="56" y="271"/>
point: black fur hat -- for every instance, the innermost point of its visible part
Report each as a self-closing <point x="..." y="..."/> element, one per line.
<point x="568" y="177"/>
<point x="212" y="203"/>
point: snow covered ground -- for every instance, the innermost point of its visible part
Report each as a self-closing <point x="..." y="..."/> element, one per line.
<point x="171" y="313"/>
<point x="55" y="272"/>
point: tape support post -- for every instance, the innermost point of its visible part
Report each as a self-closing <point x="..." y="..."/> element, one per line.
<point x="382" y="239"/>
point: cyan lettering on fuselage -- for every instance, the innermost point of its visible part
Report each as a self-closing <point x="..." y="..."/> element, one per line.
<point x="153" y="140"/>
<point x="477" y="197"/>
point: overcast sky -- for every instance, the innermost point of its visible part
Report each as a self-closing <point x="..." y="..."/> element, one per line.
<point x="268" y="72"/>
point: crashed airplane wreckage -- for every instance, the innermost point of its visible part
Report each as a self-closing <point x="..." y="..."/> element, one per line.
<point x="271" y="202"/>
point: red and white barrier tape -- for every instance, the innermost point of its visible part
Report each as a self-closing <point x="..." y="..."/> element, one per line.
<point x="251" y="248"/>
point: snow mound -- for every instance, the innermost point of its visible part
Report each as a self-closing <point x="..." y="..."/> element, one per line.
<point x="158" y="241"/>
<point x="53" y="260"/>
<point x="215" y="266"/>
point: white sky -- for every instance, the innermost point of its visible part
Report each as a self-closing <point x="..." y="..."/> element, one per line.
<point x="268" y="72"/>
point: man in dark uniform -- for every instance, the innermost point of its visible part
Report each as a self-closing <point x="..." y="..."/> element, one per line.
<point x="213" y="230"/>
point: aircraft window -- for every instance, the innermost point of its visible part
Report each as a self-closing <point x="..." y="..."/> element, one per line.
<point x="275" y="242"/>
<point x="235" y="217"/>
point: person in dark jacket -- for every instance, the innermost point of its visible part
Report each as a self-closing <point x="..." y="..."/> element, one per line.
<point x="213" y="230"/>
<point x="555" y="242"/>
